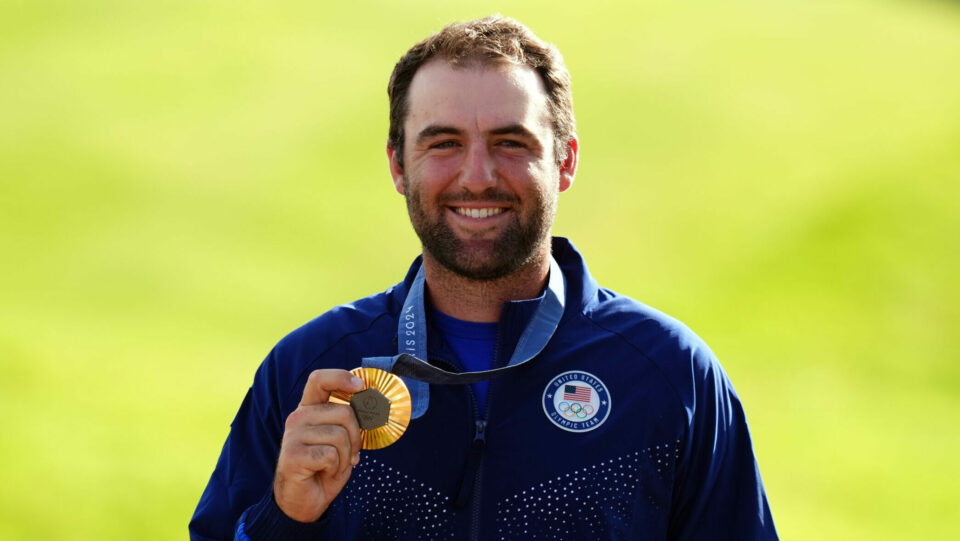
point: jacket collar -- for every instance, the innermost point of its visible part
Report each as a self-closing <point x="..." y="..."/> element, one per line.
<point x="581" y="290"/>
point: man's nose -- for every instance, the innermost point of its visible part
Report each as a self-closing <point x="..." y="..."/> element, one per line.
<point x="479" y="171"/>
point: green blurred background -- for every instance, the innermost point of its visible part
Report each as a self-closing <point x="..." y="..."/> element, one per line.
<point x="184" y="182"/>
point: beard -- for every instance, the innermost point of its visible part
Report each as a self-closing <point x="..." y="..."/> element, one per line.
<point x="478" y="258"/>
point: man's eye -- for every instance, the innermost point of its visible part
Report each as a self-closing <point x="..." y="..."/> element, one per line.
<point x="510" y="143"/>
<point x="443" y="145"/>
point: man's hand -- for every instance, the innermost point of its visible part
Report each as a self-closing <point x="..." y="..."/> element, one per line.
<point x="321" y="445"/>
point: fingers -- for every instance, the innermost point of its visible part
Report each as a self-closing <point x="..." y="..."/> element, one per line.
<point x="322" y="382"/>
<point x="333" y="425"/>
<point x="346" y="444"/>
<point x="321" y="444"/>
<point x="303" y="462"/>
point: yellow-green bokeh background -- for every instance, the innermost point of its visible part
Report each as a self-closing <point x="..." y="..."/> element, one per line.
<point x="183" y="182"/>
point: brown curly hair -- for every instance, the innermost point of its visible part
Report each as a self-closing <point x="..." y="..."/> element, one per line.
<point x="492" y="39"/>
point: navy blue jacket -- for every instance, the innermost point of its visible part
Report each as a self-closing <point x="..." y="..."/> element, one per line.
<point x="666" y="453"/>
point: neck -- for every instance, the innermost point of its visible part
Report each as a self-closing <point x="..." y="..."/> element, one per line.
<point x="482" y="300"/>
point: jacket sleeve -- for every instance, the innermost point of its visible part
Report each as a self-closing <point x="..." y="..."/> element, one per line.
<point x="718" y="493"/>
<point x="238" y="501"/>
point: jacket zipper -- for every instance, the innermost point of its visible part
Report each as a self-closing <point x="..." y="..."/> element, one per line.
<point x="480" y="442"/>
<point x="470" y="483"/>
<point x="469" y="490"/>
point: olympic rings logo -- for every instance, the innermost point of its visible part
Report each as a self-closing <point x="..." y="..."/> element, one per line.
<point x="575" y="409"/>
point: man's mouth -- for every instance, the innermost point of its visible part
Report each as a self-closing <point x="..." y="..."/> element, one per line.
<point x="485" y="212"/>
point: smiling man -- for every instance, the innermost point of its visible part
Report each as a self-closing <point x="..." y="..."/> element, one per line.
<point x="543" y="406"/>
<point x="481" y="177"/>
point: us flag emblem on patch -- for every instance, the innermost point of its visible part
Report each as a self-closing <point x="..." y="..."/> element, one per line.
<point x="576" y="392"/>
<point x="576" y="401"/>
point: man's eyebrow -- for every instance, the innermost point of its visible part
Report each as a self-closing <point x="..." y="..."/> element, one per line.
<point x="434" y="130"/>
<point x="513" y="129"/>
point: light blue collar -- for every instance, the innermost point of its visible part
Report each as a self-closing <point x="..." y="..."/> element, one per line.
<point x="412" y="341"/>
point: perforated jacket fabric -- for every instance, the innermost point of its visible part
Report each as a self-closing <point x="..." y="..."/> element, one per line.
<point x="670" y="459"/>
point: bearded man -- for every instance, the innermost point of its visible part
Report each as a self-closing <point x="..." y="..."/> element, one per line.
<point x="541" y="406"/>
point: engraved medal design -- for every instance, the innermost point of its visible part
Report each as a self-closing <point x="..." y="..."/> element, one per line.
<point x="382" y="408"/>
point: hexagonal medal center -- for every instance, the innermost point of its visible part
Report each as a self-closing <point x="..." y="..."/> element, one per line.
<point x="371" y="407"/>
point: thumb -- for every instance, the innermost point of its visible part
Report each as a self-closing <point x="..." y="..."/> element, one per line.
<point x="322" y="382"/>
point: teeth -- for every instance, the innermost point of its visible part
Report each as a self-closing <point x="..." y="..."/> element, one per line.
<point x="479" y="213"/>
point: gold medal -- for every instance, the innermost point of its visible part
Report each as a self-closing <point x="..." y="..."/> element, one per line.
<point x="382" y="408"/>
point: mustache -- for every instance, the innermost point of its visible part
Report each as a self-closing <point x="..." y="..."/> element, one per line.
<point x="488" y="195"/>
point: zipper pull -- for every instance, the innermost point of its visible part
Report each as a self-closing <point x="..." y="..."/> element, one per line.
<point x="479" y="435"/>
<point x="473" y="464"/>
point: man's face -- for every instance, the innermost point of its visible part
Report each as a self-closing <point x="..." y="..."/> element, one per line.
<point x="480" y="176"/>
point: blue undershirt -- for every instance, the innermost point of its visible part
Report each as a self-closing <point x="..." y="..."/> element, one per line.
<point x="474" y="344"/>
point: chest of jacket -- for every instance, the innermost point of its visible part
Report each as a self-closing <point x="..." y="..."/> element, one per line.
<point x="583" y="442"/>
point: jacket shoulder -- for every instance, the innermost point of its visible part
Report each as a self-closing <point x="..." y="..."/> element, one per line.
<point x="325" y="330"/>
<point x="338" y="338"/>
<point x="678" y="353"/>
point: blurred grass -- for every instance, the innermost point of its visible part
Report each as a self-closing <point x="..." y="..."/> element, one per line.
<point x="185" y="182"/>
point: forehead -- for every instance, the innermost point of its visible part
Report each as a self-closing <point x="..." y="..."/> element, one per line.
<point x="481" y="96"/>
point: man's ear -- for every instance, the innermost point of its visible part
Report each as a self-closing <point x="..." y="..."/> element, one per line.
<point x="568" y="168"/>
<point x="396" y="171"/>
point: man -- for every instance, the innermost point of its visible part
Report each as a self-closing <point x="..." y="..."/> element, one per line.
<point x="607" y="420"/>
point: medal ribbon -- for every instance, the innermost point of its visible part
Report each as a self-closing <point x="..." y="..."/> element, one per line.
<point x="411" y="365"/>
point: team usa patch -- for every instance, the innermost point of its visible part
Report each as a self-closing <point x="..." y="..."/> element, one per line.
<point x="576" y="401"/>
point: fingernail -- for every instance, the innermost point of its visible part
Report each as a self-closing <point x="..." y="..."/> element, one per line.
<point x="357" y="382"/>
<point x="356" y="459"/>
